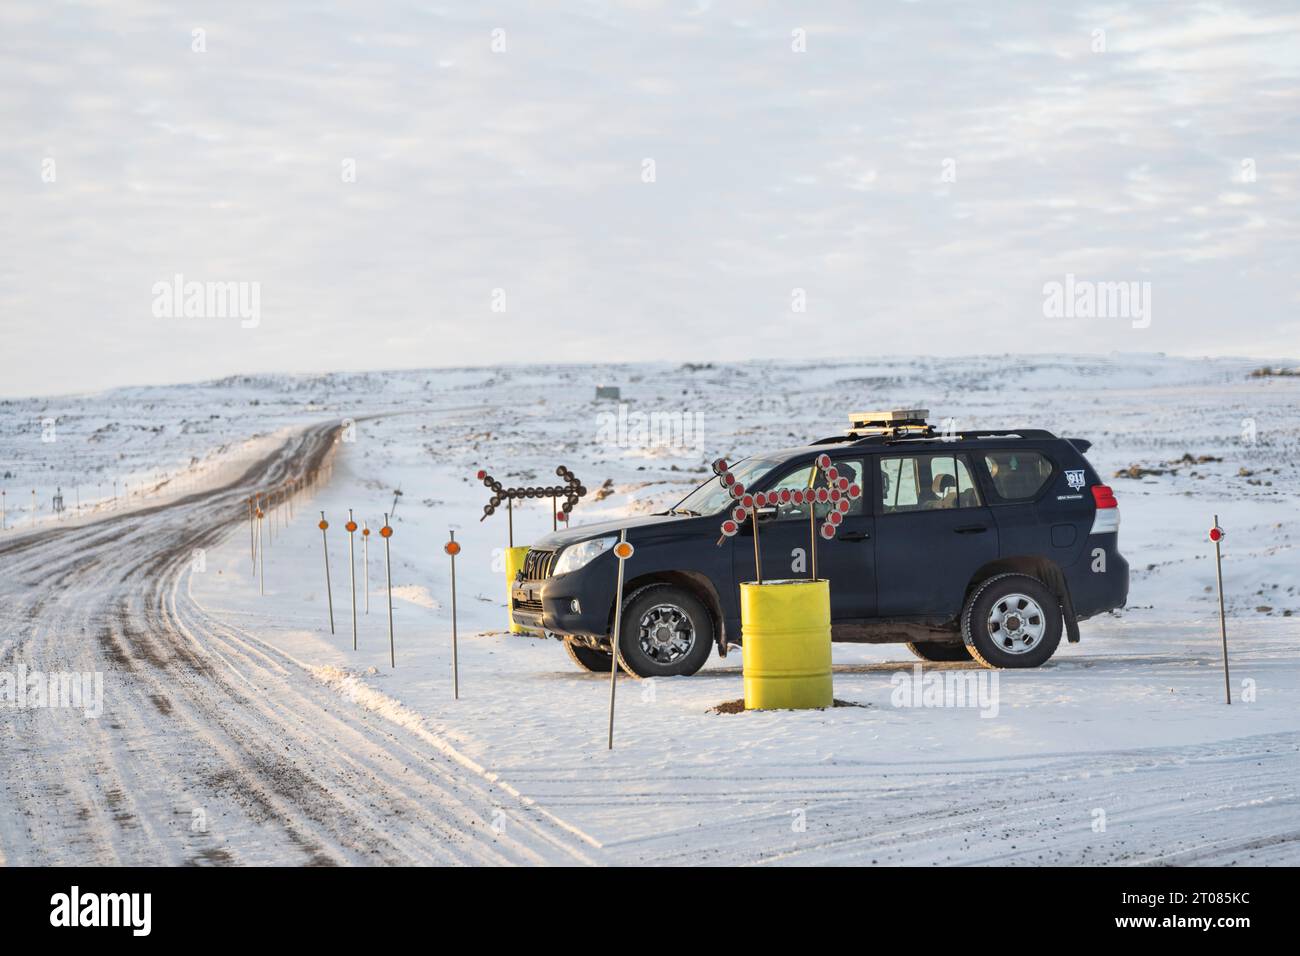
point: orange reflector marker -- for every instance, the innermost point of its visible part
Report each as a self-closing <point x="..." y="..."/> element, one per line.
<point x="323" y="524"/>
<point x="452" y="548"/>
<point x="386" y="531"/>
<point x="623" y="550"/>
<point x="351" y="526"/>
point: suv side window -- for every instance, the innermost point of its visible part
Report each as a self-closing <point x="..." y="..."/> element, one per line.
<point x="797" y="480"/>
<point x="926" y="483"/>
<point x="1018" y="475"/>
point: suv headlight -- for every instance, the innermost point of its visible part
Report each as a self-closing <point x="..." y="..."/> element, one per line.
<point x="579" y="555"/>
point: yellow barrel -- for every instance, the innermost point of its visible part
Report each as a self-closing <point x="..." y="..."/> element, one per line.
<point x="786" y="644"/>
<point x="514" y="564"/>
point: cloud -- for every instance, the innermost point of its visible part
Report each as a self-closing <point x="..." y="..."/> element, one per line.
<point x="524" y="170"/>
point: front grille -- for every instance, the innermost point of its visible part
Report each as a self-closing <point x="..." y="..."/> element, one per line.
<point x="528" y="606"/>
<point x="538" y="564"/>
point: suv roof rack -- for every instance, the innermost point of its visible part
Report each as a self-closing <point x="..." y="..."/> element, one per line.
<point x="927" y="433"/>
<point x="898" y="423"/>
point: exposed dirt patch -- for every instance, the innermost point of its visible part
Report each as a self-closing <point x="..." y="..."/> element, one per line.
<point x="738" y="706"/>
<point x="213" y="856"/>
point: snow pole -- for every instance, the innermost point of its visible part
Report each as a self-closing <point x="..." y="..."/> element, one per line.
<point x="453" y="548"/>
<point x="3" y="508"/>
<point x="1216" y="535"/>
<point x="252" y="534"/>
<point x="622" y="551"/>
<point x="365" y="558"/>
<point x="352" y="573"/>
<point x="325" y="548"/>
<point x="510" y="520"/>
<point x="812" y="525"/>
<point x="261" y="554"/>
<point x="33" y="507"/>
<point x="386" y="532"/>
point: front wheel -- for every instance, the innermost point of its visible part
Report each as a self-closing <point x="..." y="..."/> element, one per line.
<point x="665" y="631"/>
<point x="1011" y="620"/>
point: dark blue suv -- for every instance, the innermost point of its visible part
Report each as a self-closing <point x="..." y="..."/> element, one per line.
<point x="974" y="544"/>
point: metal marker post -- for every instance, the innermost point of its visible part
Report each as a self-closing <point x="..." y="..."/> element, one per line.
<point x="252" y="534"/>
<point x="453" y="549"/>
<point x="365" y="557"/>
<point x="1216" y="535"/>
<point x="622" y="551"/>
<point x="325" y="546"/>
<point x="352" y="573"/>
<point x="510" y="521"/>
<point x="386" y="532"/>
<point x="812" y="524"/>
<point x="261" y="555"/>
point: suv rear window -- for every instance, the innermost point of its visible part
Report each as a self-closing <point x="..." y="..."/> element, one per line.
<point x="1018" y="475"/>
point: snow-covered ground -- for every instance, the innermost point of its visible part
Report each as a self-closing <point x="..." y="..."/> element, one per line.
<point x="1120" y="750"/>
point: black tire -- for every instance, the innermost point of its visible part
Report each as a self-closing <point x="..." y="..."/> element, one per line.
<point x="671" y="610"/>
<point x="939" y="653"/>
<point x="1019" y="599"/>
<point x="588" y="658"/>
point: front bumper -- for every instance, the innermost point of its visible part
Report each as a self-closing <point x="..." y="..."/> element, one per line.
<point x="548" y="604"/>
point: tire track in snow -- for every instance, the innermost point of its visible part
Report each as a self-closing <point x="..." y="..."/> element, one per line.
<point x="202" y="719"/>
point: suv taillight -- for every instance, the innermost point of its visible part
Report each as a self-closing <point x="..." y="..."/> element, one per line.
<point x="1106" y="520"/>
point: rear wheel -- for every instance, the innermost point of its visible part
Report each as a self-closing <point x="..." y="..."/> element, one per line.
<point x="665" y="631"/>
<point x="1012" y="620"/>
<point x="938" y="652"/>
<point x="588" y="658"/>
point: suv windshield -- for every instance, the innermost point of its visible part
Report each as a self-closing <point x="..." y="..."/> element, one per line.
<point x="711" y="497"/>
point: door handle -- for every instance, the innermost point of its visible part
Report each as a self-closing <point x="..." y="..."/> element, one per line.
<point x="854" y="536"/>
<point x="971" y="529"/>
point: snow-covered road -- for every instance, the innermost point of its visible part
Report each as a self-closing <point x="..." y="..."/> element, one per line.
<point x="205" y="727"/>
<point x="238" y="729"/>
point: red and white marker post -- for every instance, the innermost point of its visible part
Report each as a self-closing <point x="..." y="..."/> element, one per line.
<point x="325" y="548"/>
<point x="452" y="547"/>
<point x="623" y="550"/>
<point x="1216" y="535"/>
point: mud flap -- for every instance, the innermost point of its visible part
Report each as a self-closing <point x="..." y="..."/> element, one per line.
<point x="1056" y="581"/>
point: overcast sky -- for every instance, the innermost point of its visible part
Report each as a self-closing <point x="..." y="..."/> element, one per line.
<point x="1164" y="150"/>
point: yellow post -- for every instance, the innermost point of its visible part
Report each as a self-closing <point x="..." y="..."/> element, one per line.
<point x="786" y="644"/>
<point x="514" y="564"/>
